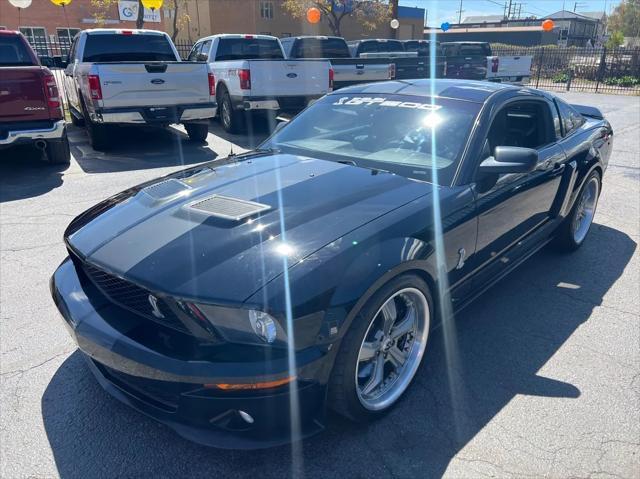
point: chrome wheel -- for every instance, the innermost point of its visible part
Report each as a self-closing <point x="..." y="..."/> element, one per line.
<point x="226" y="112"/>
<point x="586" y="210"/>
<point x="392" y="349"/>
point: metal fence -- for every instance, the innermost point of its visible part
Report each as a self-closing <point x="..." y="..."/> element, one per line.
<point x="600" y="70"/>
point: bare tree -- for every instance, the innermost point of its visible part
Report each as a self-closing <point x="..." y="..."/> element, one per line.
<point x="370" y="13"/>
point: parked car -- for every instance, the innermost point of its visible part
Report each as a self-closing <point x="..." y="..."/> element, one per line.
<point x="30" y="104"/>
<point x="475" y="61"/>
<point x="136" y="77"/>
<point x="408" y="65"/>
<point x="252" y="75"/>
<point x="347" y="70"/>
<point x="308" y="271"/>
<point x="423" y="49"/>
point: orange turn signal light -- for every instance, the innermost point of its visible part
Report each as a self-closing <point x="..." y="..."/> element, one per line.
<point x="259" y="385"/>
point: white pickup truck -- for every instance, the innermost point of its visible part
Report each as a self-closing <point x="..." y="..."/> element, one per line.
<point x="136" y="77"/>
<point x="252" y="75"/>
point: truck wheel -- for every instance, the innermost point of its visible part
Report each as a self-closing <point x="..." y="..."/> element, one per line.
<point x="197" y="131"/>
<point x="57" y="152"/>
<point x="97" y="133"/>
<point x="75" y="121"/>
<point x="231" y="120"/>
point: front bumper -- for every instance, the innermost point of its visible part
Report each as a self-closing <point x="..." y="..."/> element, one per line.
<point x="171" y="389"/>
<point x="157" y="114"/>
<point x="16" y="135"/>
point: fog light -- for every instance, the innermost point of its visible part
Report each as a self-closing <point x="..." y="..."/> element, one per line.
<point x="263" y="325"/>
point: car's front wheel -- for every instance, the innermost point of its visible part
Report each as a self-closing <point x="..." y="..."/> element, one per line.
<point x="381" y="353"/>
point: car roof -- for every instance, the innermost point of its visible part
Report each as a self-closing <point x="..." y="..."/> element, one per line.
<point x="105" y="31"/>
<point x="469" y="90"/>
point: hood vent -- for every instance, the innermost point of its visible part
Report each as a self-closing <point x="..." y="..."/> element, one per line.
<point x="228" y="208"/>
<point x="166" y="189"/>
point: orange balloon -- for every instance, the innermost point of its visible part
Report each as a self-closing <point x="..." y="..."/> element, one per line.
<point x="547" y="25"/>
<point x="313" y="15"/>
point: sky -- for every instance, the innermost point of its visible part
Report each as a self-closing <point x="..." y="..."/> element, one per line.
<point x="440" y="11"/>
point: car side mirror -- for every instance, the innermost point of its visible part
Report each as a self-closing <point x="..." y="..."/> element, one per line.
<point x="202" y="57"/>
<point x="47" y="62"/>
<point x="509" y="159"/>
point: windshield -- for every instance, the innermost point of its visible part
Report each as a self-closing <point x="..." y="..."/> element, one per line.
<point x="13" y="52"/>
<point x="387" y="132"/>
<point x="128" y="48"/>
<point x="248" y="49"/>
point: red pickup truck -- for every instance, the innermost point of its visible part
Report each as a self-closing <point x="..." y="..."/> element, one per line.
<point x="30" y="104"/>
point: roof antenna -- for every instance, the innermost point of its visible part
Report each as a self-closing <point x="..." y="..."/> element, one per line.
<point x="231" y="153"/>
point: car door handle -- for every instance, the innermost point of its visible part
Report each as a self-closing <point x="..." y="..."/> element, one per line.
<point x="557" y="167"/>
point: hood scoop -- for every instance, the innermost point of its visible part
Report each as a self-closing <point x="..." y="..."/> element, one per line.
<point x="228" y="208"/>
<point x="166" y="189"/>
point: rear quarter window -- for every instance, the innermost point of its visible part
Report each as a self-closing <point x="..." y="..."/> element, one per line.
<point x="128" y="48"/>
<point x="13" y="52"/>
<point x="569" y="117"/>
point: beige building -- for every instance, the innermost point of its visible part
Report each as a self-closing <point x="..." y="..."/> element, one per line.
<point x="208" y="17"/>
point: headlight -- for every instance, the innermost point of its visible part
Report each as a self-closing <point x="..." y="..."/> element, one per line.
<point x="249" y="326"/>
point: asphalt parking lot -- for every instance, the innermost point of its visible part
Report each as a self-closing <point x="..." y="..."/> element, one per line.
<point x="542" y="380"/>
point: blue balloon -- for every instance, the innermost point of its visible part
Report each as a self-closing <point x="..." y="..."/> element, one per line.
<point x="445" y="26"/>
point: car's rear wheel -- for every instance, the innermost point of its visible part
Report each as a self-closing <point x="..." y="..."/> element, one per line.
<point x="382" y="351"/>
<point x="197" y="131"/>
<point x="575" y="227"/>
<point x="58" y="152"/>
<point x="231" y="119"/>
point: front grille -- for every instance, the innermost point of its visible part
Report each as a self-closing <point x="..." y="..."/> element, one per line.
<point x="134" y="298"/>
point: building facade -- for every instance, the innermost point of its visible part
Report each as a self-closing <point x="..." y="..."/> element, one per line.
<point x="43" y="22"/>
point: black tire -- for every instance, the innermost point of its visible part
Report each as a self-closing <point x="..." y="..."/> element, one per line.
<point x="232" y="120"/>
<point x="58" y="151"/>
<point x="75" y="121"/>
<point x="566" y="239"/>
<point x="197" y="131"/>
<point x="98" y="135"/>
<point x="342" y="395"/>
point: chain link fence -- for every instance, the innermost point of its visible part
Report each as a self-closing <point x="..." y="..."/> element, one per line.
<point x="599" y="70"/>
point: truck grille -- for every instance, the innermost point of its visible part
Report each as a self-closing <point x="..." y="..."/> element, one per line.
<point x="134" y="298"/>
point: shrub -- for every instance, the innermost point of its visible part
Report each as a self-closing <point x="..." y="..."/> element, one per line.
<point x="560" y="78"/>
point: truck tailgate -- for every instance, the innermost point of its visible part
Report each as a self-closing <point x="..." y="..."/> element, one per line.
<point x="22" y="95"/>
<point x="153" y="84"/>
<point x="359" y="70"/>
<point x="509" y="66"/>
<point x="289" y="77"/>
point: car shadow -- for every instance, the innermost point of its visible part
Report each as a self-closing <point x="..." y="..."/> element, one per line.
<point x="138" y="148"/>
<point x="492" y="352"/>
<point x="257" y="130"/>
<point x="24" y="173"/>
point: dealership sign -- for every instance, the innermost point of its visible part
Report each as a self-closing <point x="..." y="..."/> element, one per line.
<point x="128" y="11"/>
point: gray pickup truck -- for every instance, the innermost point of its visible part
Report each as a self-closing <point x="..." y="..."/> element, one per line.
<point x="347" y="70"/>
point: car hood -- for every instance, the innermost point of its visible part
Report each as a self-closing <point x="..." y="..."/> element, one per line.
<point x="153" y="236"/>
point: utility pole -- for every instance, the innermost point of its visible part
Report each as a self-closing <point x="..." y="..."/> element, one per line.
<point x="460" y="10"/>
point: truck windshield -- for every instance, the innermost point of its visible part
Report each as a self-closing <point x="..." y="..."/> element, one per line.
<point x="406" y="135"/>
<point x="13" y="52"/>
<point x="321" y="48"/>
<point x="128" y="48"/>
<point x="248" y="49"/>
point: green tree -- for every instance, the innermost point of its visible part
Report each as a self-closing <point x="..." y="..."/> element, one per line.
<point x="370" y="13"/>
<point x="101" y="7"/>
<point x="615" y="39"/>
<point x="626" y="18"/>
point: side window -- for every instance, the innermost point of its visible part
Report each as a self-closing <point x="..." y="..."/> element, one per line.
<point x="523" y="123"/>
<point x="204" y="51"/>
<point x="570" y="118"/>
<point x="193" y="54"/>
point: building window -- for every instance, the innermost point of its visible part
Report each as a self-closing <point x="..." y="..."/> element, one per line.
<point x="266" y="9"/>
<point x="65" y="35"/>
<point x="37" y="37"/>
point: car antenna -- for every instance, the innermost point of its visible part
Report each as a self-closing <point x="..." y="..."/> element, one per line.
<point x="231" y="153"/>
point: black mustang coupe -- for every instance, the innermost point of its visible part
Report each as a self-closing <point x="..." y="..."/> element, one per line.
<point x="235" y="301"/>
